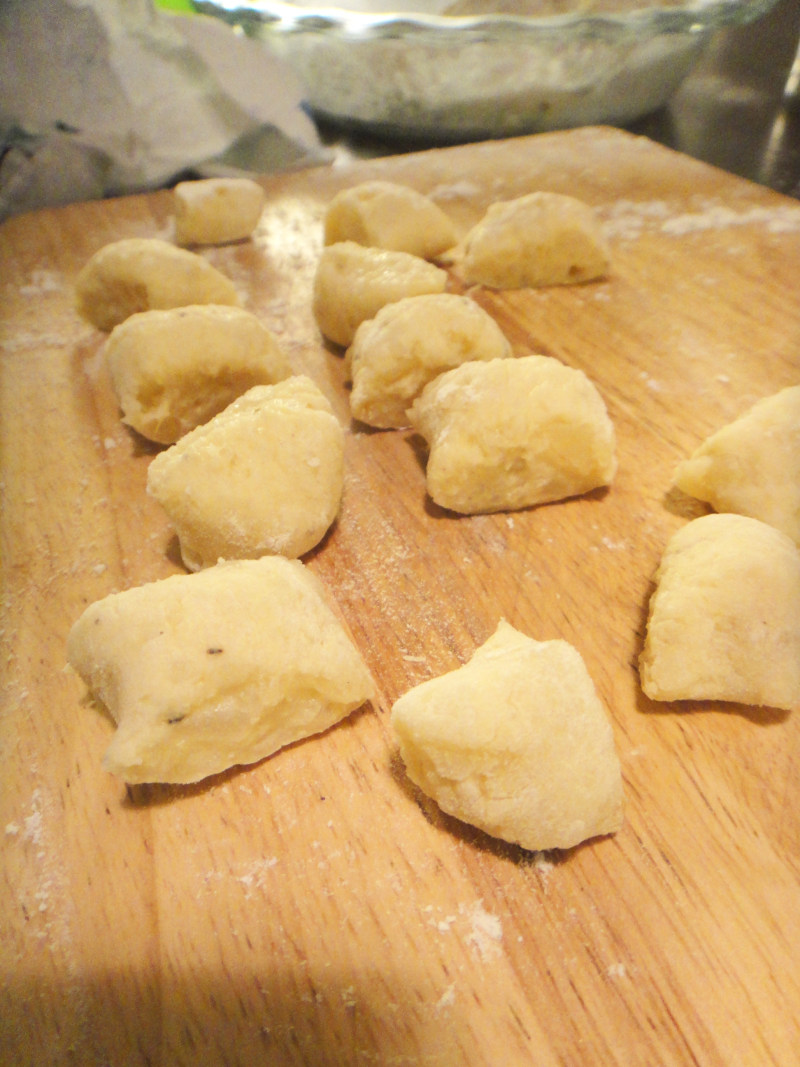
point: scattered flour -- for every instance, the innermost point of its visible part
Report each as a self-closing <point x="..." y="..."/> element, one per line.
<point x="486" y="932"/>
<point x="627" y="220"/>
<point x="42" y="282"/>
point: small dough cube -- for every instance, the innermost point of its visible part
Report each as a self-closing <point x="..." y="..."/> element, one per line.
<point x="173" y="370"/>
<point x="214" y="211"/>
<point x="142" y="273"/>
<point x="409" y="343"/>
<point x="352" y="283"/>
<point x="536" y="240"/>
<point x="264" y="477"/>
<point x="752" y="465"/>
<point x="512" y="433"/>
<point x="385" y="215"/>
<point x="515" y="742"/>
<point x="724" y="620"/>
<point x="202" y="672"/>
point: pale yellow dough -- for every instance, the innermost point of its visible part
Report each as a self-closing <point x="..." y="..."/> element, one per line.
<point x="383" y="214"/>
<point x="536" y="240"/>
<point x="409" y="343"/>
<point x="516" y="742"/>
<point x="352" y="283"/>
<point x="205" y="671"/>
<point x="213" y="211"/>
<point x="144" y="273"/>
<point x="724" y="620"/>
<point x="512" y="433"/>
<point x="752" y="465"/>
<point x="264" y="477"/>
<point x="173" y="370"/>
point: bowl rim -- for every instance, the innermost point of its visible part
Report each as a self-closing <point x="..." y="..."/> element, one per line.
<point x="279" y="16"/>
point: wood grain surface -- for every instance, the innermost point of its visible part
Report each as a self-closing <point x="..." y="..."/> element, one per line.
<point x="314" y="909"/>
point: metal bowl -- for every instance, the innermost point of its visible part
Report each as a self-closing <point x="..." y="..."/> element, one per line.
<point x="464" y="77"/>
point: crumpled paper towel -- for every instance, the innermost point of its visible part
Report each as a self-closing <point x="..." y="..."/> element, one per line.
<point x="108" y="97"/>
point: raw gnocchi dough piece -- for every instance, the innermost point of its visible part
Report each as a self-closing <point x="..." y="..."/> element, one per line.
<point x="264" y="477"/>
<point x="512" y="433"/>
<point x="205" y="671"/>
<point x="752" y="465"/>
<point x="173" y="370"/>
<point x="536" y="240"/>
<point x="724" y="620"/>
<point x="214" y="211"/>
<point x="386" y="215"/>
<point x="143" y="273"/>
<point x="407" y="344"/>
<point x="352" y="283"/>
<point x="515" y="742"/>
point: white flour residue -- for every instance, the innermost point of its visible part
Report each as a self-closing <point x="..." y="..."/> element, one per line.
<point x="626" y="220"/>
<point x="486" y="932"/>
<point x="463" y="189"/>
<point x="784" y="218"/>
<point x="42" y="282"/>
<point x="447" y="999"/>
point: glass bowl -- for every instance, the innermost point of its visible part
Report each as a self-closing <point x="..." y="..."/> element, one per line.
<point x="459" y="77"/>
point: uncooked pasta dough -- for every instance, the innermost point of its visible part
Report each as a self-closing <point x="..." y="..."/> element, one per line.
<point x="205" y="671"/>
<point x="264" y="477"/>
<point x="515" y="742"/>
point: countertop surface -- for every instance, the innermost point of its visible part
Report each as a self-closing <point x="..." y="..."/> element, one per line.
<point x="739" y="109"/>
<point x="315" y="910"/>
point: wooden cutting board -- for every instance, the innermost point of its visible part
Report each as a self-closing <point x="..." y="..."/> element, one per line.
<point x="314" y="909"/>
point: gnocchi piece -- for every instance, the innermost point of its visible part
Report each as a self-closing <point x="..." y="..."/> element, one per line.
<point x="383" y="214"/>
<point x="143" y="273"/>
<point x="511" y="433"/>
<point x="407" y="344"/>
<point x="515" y="742"/>
<point x="752" y="466"/>
<point x="214" y="211"/>
<point x="264" y="477"/>
<point x="352" y="283"/>
<point x="536" y="240"/>
<point x="202" y="672"/>
<point x="724" y="619"/>
<point x="173" y="370"/>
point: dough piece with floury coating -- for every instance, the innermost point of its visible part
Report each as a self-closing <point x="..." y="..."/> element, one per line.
<point x="515" y="742"/>
<point x="202" y="672"/>
<point x="512" y="433"/>
<point x="752" y="465"/>
<point x="173" y="370"/>
<point x="213" y="211"/>
<point x="407" y="344"/>
<point x="383" y="214"/>
<point x="264" y="477"/>
<point x="352" y="283"/>
<point x="145" y="273"/>
<point x="724" y="619"/>
<point x="536" y="240"/>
